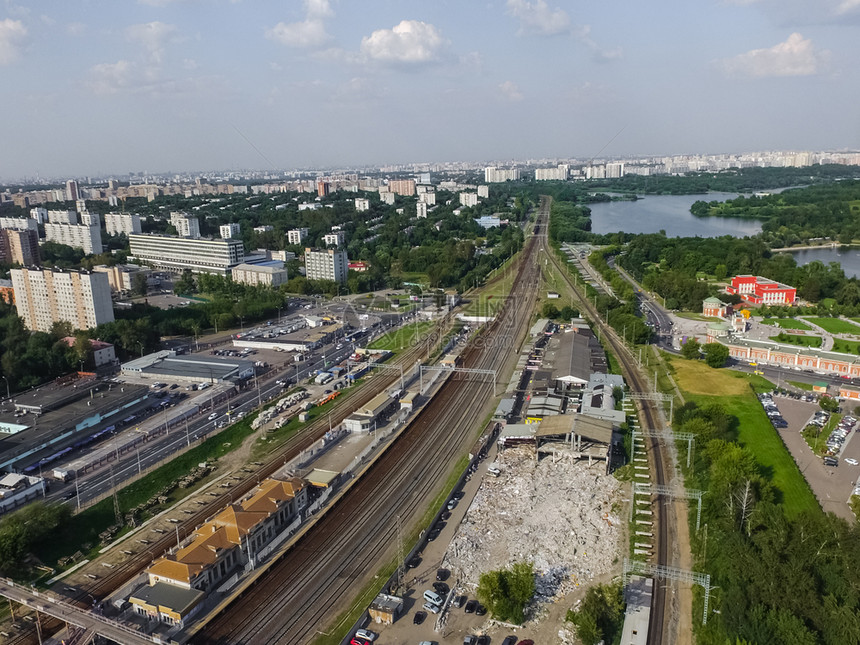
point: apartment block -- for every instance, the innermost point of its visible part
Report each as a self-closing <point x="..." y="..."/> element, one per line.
<point x="362" y="204"/>
<point x="335" y="238"/>
<point x="44" y="296"/>
<point x="272" y="275"/>
<point x="186" y="225"/>
<point x="62" y="217"/>
<point x="19" y="247"/>
<point x="468" y="199"/>
<point x="387" y="197"/>
<point x="121" y="276"/>
<point x="493" y="175"/>
<point x="229" y="231"/>
<point x="19" y="223"/>
<point x="178" y="253"/>
<point x="122" y="223"/>
<point x="297" y="235"/>
<point x="421" y="210"/>
<point x="326" y="264"/>
<point x="484" y="191"/>
<point x="79" y="236"/>
<point x="404" y="187"/>
<point x="428" y="198"/>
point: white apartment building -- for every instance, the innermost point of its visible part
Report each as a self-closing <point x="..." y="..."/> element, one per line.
<point x="43" y="297"/>
<point x="484" y="191"/>
<point x="39" y="214"/>
<point x="229" y="231"/>
<point x="614" y="170"/>
<point x="259" y="274"/>
<point x="80" y="236"/>
<point x="421" y="210"/>
<point x="177" y="253"/>
<point x="126" y="223"/>
<point x="493" y="175"/>
<point x="297" y="235"/>
<point x="19" y="223"/>
<point x="326" y="264"/>
<point x="90" y="219"/>
<point x="559" y="173"/>
<point x="362" y="204"/>
<point x="186" y="225"/>
<point x="428" y="198"/>
<point x="335" y="238"/>
<point x="62" y="217"/>
<point x="264" y="229"/>
<point x="468" y="199"/>
<point x="387" y="197"/>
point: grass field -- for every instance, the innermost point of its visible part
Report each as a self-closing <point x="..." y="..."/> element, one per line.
<point x="835" y="325"/>
<point x="787" y="323"/>
<point x="692" y="316"/>
<point x="846" y="346"/>
<point x="734" y="391"/>
<point x="403" y="337"/>
<point x="802" y="341"/>
<point x="800" y="385"/>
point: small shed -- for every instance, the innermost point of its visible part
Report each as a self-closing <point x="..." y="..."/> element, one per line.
<point x="385" y="608"/>
<point x="820" y="387"/>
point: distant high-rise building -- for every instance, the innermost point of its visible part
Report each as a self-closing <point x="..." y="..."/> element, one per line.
<point x="79" y="236"/>
<point x="19" y="223"/>
<point x="404" y="187"/>
<point x="229" y="231"/>
<point x="296" y="235"/>
<point x="428" y="198"/>
<point x="386" y="196"/>
<point x="62" y="217"/>
<point x="559" y="173"/>
<point x="126" y="223"/>
<point x="493" y="175"/>
<point x="72" y="194"/>
<point x="335" y="238"/>
<point x="39" y="214"/>
<point x="19" y="247"/>
<point x="43" y="297"/>
<point x="323" y="188"/>
<point x="614" y="170"/>
<point x="327" y="264"/>
<point x="421" y="210"/>
<point x="186" y="225"/>
<point x="484" y="191"/>
<point x="362" y="204"/>
<point x="468" y="199"/>
<point x="90" y="219"/>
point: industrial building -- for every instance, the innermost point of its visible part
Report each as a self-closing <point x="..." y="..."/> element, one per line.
<point x="166" y="365"/>
<point x="16" y="490"/>
<point x="177" y="254"/>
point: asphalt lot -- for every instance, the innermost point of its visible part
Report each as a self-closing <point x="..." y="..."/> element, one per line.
<point x="832" y="486"/>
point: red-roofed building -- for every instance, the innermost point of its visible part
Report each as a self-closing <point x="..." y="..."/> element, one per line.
<point x="102" y="353"/>
<point x="762" y="291"/>
<point x="358" y="266"/>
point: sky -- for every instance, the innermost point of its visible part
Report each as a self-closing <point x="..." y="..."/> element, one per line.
<point x="101" y="87"/>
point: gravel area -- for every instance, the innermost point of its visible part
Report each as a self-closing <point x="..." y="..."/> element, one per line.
<point x="557" y="515"/>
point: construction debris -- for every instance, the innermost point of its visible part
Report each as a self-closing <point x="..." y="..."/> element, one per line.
<point x="557" y="514"/>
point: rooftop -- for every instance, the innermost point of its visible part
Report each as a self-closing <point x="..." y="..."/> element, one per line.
<point x="162" y="594"/>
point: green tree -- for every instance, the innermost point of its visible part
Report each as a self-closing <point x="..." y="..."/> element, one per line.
<point x="507" y="592"/>
<point x="828" y="403"/>
<point x="601" y="614"/>
<point x="716" y="354"/>
<point x="690" y="349"/>
<point x="138" y="284"/>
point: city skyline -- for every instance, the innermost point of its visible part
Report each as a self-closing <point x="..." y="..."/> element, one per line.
<point x="178" y="85"/>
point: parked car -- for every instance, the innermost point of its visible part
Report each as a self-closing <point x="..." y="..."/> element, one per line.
<point x="509" y="640"/>
<point x="851" y="461"/>
<point x="441" y="588"/>
<point x="483" y="640"/>
<point x="480" y="610"/>
<point x="471" y="606"/>
<point x="419" y="617"/>
<point x="442" y="574"/>
<point x="366" y="634"/>
<point x="458" y="601"/>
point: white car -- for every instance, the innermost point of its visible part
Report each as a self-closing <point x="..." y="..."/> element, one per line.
<point x="213" y="416"/>
<point x="851" y="461"/>
<point x="366" y="634"/>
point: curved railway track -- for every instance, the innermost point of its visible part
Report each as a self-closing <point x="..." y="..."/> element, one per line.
<point x="323" y="572"/>
<point x="658" y="461"/>
<point x="126" y="570"/>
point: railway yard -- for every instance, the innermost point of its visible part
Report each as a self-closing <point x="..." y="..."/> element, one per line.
<point x="564" y="515"/>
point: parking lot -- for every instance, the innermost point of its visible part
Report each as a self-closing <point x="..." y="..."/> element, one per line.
<point x="832" y="485"/>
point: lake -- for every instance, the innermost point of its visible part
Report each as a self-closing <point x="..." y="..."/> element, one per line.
<point x="670" y="213"/>
<point x="848" y="258"/>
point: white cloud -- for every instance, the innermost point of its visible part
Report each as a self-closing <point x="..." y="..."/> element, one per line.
<point x="537" y="18"/>
<point x="110" y="78"/>
<point x="847" y="6"/>
<point x="189" y="64"/>
<point x="411" y="42"/>
<point x="154" y="36"/>
<point x="306" y="33"/>
<point x="511" y="91"/>
<point x="13" y="35"/>
<point x="795" y="57"/>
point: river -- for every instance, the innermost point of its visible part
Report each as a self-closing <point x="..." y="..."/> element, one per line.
<point x="849" y="258"/>
<point x="670" y="213"/>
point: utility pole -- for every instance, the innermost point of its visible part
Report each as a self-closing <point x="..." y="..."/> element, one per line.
<point x="116" y="510"/>
<point x="400" y="557"/>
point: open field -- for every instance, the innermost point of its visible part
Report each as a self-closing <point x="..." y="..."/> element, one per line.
<point x="846" y="346"/>
<point x="801" y="385"/>
<point x="402" y="338"/>
<point x="692" y="316"/>
<point x="734" y="391"/>
<point x="835" y="325"/>
<point x="795" y="339"/>
<point x="787" y="323"/>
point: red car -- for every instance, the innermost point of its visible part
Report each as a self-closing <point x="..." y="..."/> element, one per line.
<point x="528" y="641"/>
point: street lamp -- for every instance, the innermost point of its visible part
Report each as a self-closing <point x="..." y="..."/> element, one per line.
<point x="8" y="395"/>
<point x="140" y="344"/>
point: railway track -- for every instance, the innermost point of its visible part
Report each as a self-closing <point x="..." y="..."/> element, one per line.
<point x="329" y="565"/>
<point x="126" y="570"/>
<point x="657" y="459"/>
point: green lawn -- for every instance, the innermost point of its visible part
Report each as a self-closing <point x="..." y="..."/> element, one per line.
<point x="801" y="385"/>
<point x="795" y="339"/>
<point x="835" y="325"/>
<point x="787" y="323"/>
<point x="403" y="337"/>
<point x="734" y="391"/>
<point x="691" y="316"/>
<point x="846" y="346"/>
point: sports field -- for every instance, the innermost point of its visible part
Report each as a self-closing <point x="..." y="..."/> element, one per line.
<point x="734" y="391"/>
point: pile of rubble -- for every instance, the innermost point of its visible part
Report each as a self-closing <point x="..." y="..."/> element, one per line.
<point x="556" y="515"/>
<point x="284" y="404"/>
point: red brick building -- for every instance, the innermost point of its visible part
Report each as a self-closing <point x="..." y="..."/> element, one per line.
<point x="762" y="291"/>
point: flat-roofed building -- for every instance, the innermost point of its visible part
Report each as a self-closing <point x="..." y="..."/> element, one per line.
<point x="259" y="274"/>
<point x="326" y="264"/>
<point x="176" y="253"/>
<point x="62" y="217"/>
<point x="19" y="247"/>
<point x="186" y="225"/>
<point x="402" y="187"/>
<point x="121" y="276"/>
<point x="362" y="204"/>
<point x="79" y="236"/>
<point x="43" y="297"/>
<point x="122" y="223"/>
<point x="297" y="235"/>
<point x="19" y="223"/>
<point x="335" y="238"/>
<point x="229" y="231"/>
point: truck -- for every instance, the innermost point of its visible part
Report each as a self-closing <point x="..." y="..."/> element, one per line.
<point x="323" y="378"/>
<point x="63" y="475"/>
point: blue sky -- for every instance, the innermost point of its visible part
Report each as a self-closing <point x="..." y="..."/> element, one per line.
<point x="172" y="85"/>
